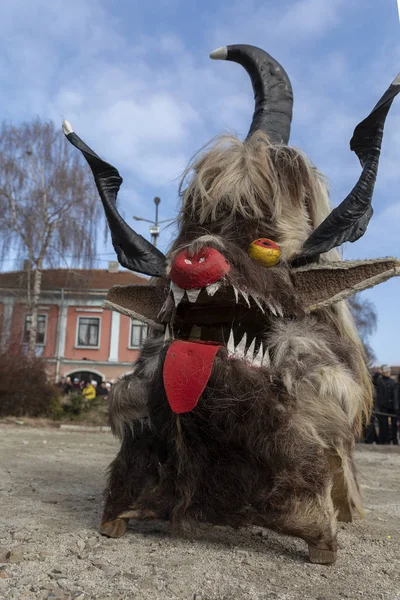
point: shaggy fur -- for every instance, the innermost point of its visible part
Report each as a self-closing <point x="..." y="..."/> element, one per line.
<point x="216" y="464"/>
<point x="273" y="445"/>
<point x="129" y="397"/>
<point x="246" y="190"/>
<point x="256" y="180"/>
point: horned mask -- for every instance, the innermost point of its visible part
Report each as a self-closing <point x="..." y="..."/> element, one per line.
<point x="256" y="238"/>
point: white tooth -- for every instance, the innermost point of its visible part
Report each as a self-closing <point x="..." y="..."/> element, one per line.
<point x="279" y="310"/>
<point x="231" y="344"/>
<point x="250" y="351"/>
<point x="271" y="308"/>
<point x="167" y="334"/>
<point x="236" y="294"/>
<point x="266" y="362"/>
<point x="257" y="301"/>
<point x="176" y="299"/>
<point x="195" y="333"/>
<point x="193" y="294"/>
<point x="258" y="359"/>
<point x="178" y="293"/>
<point x="246" y="297"/>
<point x="213" y="288"/>
<point x="241" y="347"/>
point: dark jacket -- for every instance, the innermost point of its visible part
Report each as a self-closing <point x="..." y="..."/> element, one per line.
<point x="386" y="394"/>
<point x="102" y="391"/>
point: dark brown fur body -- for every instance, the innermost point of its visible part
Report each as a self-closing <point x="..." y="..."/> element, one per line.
<point x="241" y="457"/>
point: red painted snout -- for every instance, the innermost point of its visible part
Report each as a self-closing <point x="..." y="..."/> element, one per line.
<point x="199" y="270"/>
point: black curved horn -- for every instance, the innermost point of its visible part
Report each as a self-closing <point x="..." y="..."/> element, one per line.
<point x="134" y="251"/>
<point x="273" y="93"/>
<point x="349" y="221"/>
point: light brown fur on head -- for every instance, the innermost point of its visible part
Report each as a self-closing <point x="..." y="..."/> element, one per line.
<point x="256" y="180"/>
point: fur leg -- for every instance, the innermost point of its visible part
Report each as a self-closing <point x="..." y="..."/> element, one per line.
<point x="114" y="522"/>
<point x="313" y="519"/>
<point x="134" y="471"/>
<point x="118" y="498"/>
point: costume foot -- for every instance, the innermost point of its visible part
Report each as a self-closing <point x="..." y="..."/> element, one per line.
<point x="114" y="529"/>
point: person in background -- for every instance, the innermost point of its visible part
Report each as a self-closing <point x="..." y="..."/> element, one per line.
<point x="75" y="385"/>
<point x="67" y="387"/>
<point x="102" y="390"/>
<point x="386" y="397"/>
<point x="376" y="377"/>
<point x="88" y="392"/>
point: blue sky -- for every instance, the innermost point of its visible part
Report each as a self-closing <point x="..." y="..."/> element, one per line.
<point x="135" y="80"/>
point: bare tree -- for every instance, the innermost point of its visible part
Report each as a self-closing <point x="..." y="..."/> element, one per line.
<point x="366" y="318"/>
<point x="48" y="205"/>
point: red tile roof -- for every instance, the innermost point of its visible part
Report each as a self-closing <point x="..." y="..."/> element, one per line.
<point x="76" y="279"/>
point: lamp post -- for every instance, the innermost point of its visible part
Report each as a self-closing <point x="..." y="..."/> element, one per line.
<point x="154" y="229"/>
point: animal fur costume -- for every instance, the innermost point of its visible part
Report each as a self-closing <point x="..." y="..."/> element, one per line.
<point x="244" y="404"/>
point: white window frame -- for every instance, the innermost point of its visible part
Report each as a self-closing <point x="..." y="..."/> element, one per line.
<point x="144" y="326"/>
<point x="77" y="345"/>
<point x="46" y="318"/>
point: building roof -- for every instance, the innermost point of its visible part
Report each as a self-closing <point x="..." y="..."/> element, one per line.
<point x="74" y="279"/>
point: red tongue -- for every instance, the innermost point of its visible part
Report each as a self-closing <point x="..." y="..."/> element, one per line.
<point x="187" y="368"/>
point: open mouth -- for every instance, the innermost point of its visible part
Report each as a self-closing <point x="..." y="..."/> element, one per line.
<point x="221" y="314"/>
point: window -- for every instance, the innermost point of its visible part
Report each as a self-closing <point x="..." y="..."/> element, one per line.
<point x="138" y="334"/>
<point x="88" y="332"/>
<point x="40" y="330"/>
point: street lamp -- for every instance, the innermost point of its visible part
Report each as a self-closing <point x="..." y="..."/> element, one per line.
<point x="154" y="229"/>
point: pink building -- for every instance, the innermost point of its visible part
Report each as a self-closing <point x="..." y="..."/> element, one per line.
<point x="75" y="335"/>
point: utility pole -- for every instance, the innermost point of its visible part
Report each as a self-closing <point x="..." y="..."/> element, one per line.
<point x="154" y="229"/>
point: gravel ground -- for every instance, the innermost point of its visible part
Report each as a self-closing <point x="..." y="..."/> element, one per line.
<point x="51" y="484"/>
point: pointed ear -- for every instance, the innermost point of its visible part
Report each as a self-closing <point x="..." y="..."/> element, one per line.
<point x="319" y="285"/>
<point x="142" y="302"/>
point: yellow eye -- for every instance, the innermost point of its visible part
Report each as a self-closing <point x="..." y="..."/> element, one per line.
<point x="265" y="252"/>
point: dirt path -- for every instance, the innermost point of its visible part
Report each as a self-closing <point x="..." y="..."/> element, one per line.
<point x="51" y="486"/>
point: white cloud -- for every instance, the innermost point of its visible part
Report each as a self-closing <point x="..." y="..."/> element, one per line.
<point x="144" y="136"/>
<point x="283" y="24"/>
<point x="307" y="18"/>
